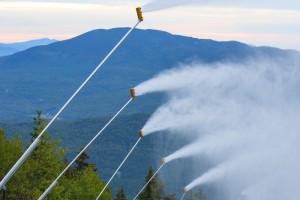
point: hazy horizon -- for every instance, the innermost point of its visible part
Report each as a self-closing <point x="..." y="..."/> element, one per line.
<point x="259" y="23"/>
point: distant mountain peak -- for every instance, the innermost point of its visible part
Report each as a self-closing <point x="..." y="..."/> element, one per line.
<point x="11" y="48"/>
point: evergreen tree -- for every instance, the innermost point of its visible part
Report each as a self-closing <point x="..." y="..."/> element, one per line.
<point x="39" y="125"/>
<point x="120" y="195"/>
<point x="155" y="190"/>
<point x="149" y="192"/>
<point x="41" y="167"/>
<point x="81" y="162"/>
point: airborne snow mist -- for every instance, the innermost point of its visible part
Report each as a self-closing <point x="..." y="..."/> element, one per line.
<point x="271" y="4"/>
<point x="246" y="118"/>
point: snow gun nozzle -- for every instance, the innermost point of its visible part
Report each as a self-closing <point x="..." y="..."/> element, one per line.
<point x="141" y="134"/>
<point x="132" y="92"/>
<point x="139" y="14"/>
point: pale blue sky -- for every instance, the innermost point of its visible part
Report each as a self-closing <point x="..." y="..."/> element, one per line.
<point x="258" y="22"/>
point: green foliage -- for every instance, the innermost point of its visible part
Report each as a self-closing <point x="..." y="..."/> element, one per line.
<point x="10" y="151"/>
<point x="81" y="162"/>
<point x="120" y="195"/>
<point x="85" y="186"/>
<point x="39" y="125"/>
<point x="155" y="190"/>
<point x="149" y="192"/>
<point x="43" y="166"/>
<point x="38" y="171"/>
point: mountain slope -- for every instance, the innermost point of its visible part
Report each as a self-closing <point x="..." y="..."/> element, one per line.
<point x="9" y="49"/>
<point x="44" y="77"/>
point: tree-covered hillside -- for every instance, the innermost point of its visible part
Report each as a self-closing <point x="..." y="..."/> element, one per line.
<point x="111" y="147"/>
<point x="52" y="156"/>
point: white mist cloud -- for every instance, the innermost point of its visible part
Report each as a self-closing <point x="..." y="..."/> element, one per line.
<point x="269" y="4"/>
<point x="210" y="145"/>
<point x="246" y="121"/>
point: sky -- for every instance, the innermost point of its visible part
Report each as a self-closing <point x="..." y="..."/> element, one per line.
<point x="257" y="22"/>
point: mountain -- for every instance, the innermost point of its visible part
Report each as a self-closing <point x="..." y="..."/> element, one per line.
<point x="44" y="77"/>
<point x="9" y="49"/>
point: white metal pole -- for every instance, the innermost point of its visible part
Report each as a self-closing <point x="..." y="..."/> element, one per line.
<point x="183" y="196"/>
<point x="148" y="182"/>
<point x="13" y="170"/>
<point x="119" y="168"/>
<point x="60" y="175"/>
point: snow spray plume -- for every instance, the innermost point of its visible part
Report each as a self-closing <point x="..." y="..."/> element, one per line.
<point x="168" y="114"/>
<point x="160" y="5"/>
<point x="241" y="164"/>
<point x="185" y="108"/>
<point x="246" y="119"/>
<point x="271" y="4"/>
<point x="190" y="150"/>
<point x="209" y="176"/>
<point x="165" y="81"/>
<point x="211" y="144"/>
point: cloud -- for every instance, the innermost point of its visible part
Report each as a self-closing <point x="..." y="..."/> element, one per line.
<point x="115" y="2"/>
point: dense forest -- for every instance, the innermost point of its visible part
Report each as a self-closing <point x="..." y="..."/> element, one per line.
<point x="45" y="163"/>
<point x="81" y="181"/>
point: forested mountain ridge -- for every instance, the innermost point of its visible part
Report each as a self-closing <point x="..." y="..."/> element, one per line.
<point x="44" y="77"/>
